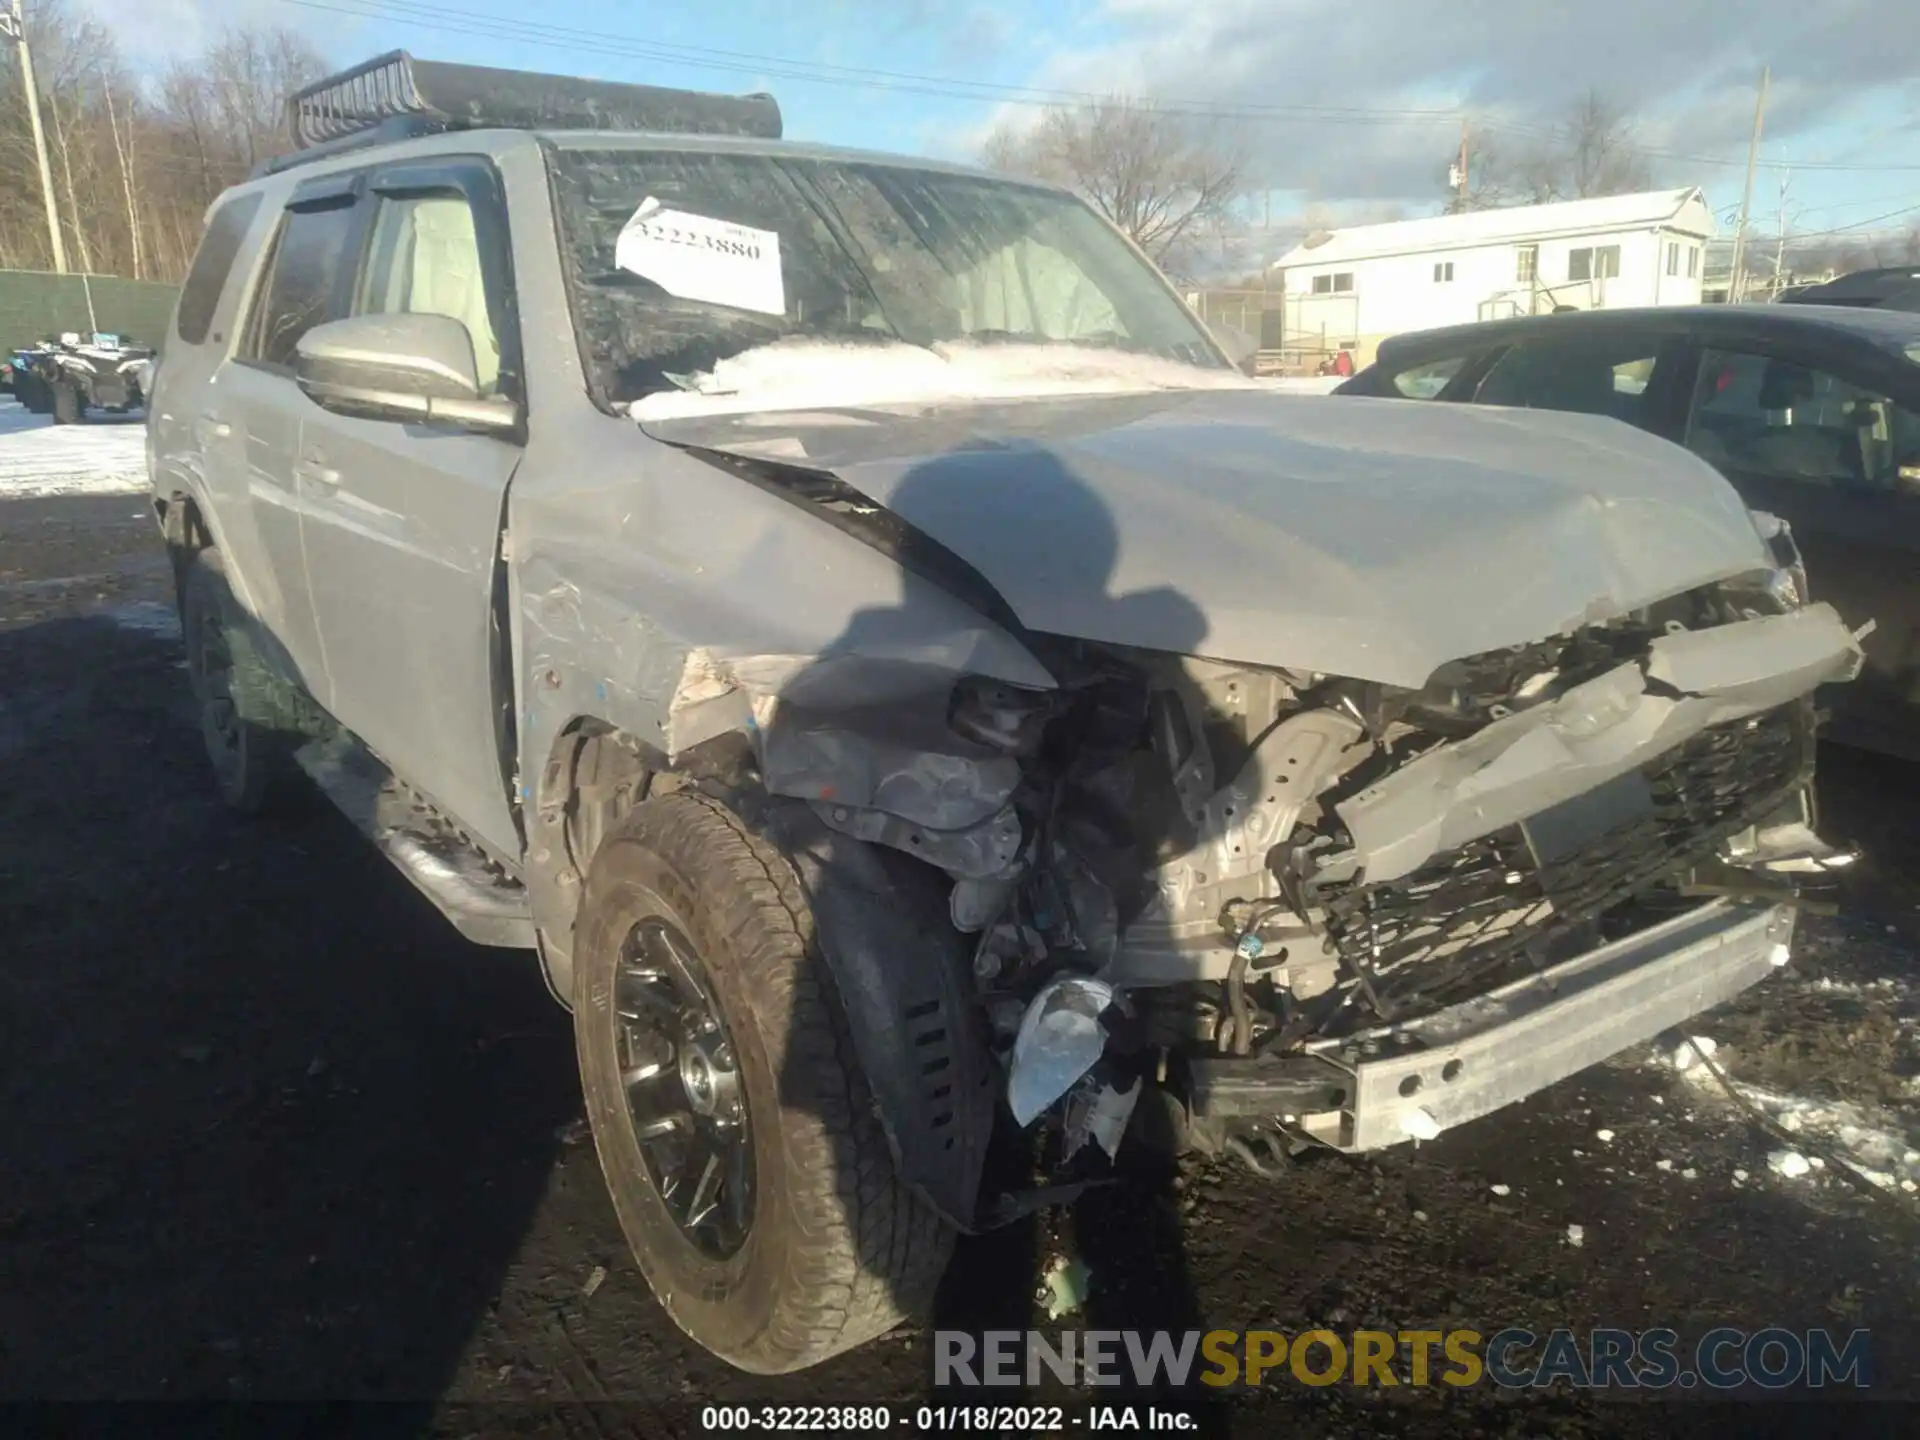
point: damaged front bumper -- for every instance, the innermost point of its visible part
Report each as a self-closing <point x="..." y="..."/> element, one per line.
<point x="1415" y="1080"/>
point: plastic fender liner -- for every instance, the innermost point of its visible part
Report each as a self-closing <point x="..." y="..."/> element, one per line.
<point x="904" y="976"/>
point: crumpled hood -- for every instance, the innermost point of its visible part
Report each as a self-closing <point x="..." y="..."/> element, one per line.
<point x="1376" y="539"/>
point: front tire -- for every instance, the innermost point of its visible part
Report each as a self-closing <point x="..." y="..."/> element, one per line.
<point x="798" y="1242"/>
<point x="249" y="735"/>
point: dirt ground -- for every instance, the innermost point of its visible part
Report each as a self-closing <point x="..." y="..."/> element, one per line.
<point x="272" y="1132"/>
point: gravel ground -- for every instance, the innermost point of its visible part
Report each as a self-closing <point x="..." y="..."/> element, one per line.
<point x="273" y="1132"/>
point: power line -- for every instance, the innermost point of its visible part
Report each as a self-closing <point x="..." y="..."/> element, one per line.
<point x="441" y="19"/>
<point x="1856" y="225"/>
<point x="451" y="21"/>
<point x="431" y="17"/>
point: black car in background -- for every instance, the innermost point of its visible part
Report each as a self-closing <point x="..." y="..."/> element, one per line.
<point x="1811" y="410"/>
<point x="1894" y="288"/>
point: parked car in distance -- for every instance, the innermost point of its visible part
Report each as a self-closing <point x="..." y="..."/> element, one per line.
<point x="1811" y="410"/>
<point x="75" y="372"/>
<point x="1891" y="288"/>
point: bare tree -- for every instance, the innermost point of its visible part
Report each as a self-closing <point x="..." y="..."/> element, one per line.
<point x="135" y="166"/>
<point x="1600" y="153"/>
<point x="1156" y="174"/>
<point x="1594" y="150"/>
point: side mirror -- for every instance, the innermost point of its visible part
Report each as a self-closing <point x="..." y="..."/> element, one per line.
<point x="399" y="367"/>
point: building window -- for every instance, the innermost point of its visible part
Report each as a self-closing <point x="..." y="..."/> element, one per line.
<point x="1673" y="257"/>
<point x="1594" y="262"/>
<point x="1333" y="284"/>
<point x="1442" y="271"/>
<point x="1693" y="262"/>
<point x="1526" y="268"/>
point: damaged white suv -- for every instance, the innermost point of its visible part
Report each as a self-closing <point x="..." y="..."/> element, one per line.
<point x="851" y="619"/>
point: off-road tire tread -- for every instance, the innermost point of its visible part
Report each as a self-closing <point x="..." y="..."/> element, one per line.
<point x="867" y="1252"/>
<point x="279" y="715"/>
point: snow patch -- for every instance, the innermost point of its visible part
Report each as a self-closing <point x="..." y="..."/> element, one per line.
<point x="813" y="374"/>
<point x="149" y="617"/>
<point x="1872" y="1143"/>
<point x="105" y="456"/>
<point x="1688" y="1052"/>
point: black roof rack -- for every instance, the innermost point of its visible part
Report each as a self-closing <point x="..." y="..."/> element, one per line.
<point x="395" y="96"/>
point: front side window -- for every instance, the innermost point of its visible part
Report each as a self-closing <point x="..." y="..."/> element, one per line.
<point x="1442" y="272"/>
<point x="1771" y="416"/>
<point x="1673" y="257"/>
<point x="1526" y="264"/>
<point x="424" y="259"/>
<point x="1591" y="377"/>
<point x="1337" y="284"/>
<point x="300" y="288"/>
<point x="1426" y="381"/>
<point x="678" y="261"/>
<point x="1693" y="262"/>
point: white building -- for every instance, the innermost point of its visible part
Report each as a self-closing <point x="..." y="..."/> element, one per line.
<point x="1359" y="285"/>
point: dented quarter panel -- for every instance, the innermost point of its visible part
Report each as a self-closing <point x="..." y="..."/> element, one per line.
<point x="1367" y="538"/>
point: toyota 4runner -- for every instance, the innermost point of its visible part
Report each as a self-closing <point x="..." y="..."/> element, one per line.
<point x="850" y="619"/>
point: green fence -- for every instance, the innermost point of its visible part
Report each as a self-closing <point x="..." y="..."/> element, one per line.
<point x="37" y="303"/>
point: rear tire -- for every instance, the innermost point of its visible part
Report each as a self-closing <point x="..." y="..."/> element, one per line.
<point x="245" y="721"/>
<point x="67" y="407"/>
<point x="834" y="1250"/>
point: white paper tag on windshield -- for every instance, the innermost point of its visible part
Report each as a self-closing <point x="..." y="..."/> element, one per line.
<point x="696" y="257"/>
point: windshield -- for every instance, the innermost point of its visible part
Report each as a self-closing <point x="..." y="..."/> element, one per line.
<point x="680" y="260"/>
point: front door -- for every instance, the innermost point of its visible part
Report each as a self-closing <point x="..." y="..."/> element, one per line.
<point x="402" y="521"/>
<point x="1840" y="463"/>
<point x="254" y="415"/>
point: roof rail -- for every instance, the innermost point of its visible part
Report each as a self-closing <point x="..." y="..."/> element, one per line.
<point x="396" y="86"/>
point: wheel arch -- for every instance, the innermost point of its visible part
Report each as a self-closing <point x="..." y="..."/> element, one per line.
<point x="902" y="972"/>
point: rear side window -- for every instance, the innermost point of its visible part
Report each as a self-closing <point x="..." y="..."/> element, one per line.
<point x="1424" y="382"/>
<point x="1589" y="376"/>
<point x="301" y="286"/>
<point x="212" y="264"/>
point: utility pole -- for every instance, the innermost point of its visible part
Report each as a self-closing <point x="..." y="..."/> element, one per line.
<point x="1459" y="176"/>
<point x="15" y="28"/>
<point x="1737" y="277"/>
<point x="1780" y="249"/>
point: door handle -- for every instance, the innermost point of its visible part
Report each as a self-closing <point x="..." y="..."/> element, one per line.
<point x="314" y="473"/>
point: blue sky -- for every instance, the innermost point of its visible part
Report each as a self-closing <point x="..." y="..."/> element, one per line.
<point x="1347" y="108"/>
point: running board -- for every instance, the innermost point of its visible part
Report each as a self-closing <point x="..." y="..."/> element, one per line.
<point x="481" y="901"/>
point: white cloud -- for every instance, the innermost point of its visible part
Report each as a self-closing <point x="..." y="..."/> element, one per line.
<point x="1686" y="68"/>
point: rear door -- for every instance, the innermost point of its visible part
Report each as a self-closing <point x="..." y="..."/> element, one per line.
<point x="188" y="456"/>
<point x="257" y="413"/>
<point x="402" y="521"/>
<point x="1829" y="449"/>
